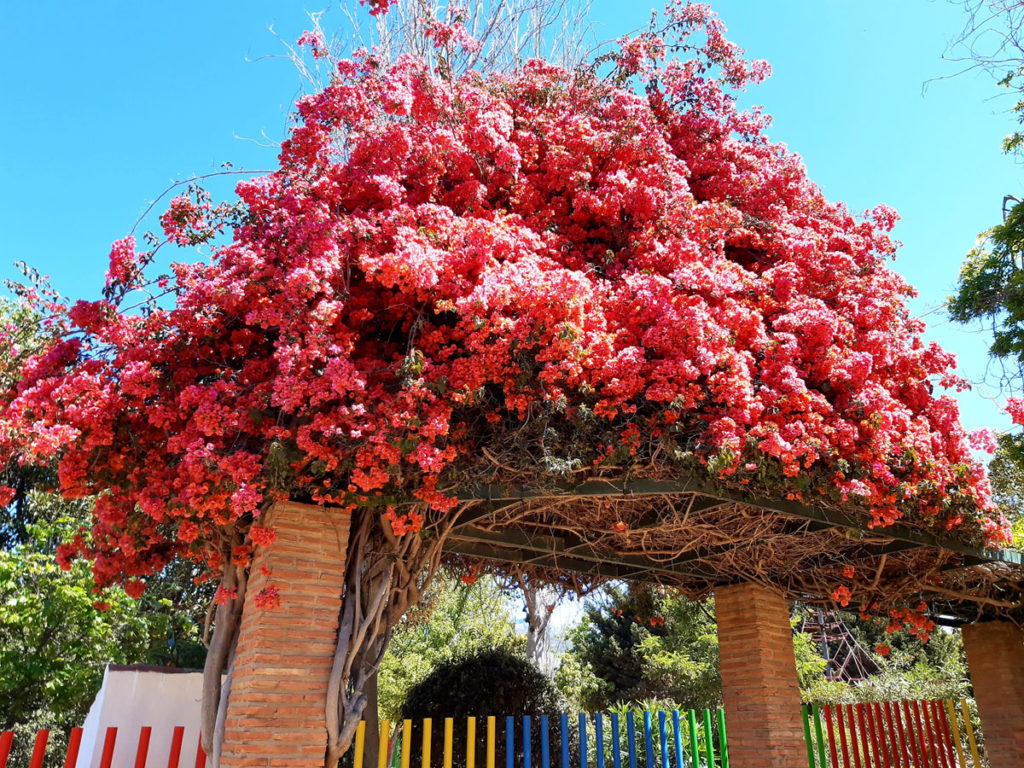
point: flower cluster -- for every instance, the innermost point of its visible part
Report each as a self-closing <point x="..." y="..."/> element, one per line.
<point x="546" y="264"/>
<point x="912" y="620"/>
<point x="267" y="598"/>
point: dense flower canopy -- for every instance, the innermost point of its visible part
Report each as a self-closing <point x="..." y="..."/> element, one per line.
<point x="545" y="271"/>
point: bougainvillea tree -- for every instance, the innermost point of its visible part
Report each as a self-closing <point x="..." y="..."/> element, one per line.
<point x="540" y="273"/>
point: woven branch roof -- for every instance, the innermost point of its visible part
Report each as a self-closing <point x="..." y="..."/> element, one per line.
<point x="694" y="538"/>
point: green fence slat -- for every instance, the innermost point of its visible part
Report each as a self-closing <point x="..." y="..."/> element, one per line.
<point x="691" y="719"/>
<point x="807" y="735"/>
<point x="818" y="735"/>
<point x="709" y="740"/>
<point x="723" y="744"/>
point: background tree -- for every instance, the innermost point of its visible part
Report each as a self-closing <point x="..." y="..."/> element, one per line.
<point x="639" y="644"/>
<point x="1006" y="473"/>
<point x="513" y="686"/>
<point x="454" y="620"/>
<point x="990" y="286"/>
<point x="56" y="634"/>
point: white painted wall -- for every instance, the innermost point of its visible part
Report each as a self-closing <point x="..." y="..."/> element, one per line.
<point x="133" y="697"/>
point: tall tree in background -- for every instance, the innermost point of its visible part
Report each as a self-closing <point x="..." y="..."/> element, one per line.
<point x="990" y="288"/>
<point x="641" y="644"/>
<point x="636" y="644"/>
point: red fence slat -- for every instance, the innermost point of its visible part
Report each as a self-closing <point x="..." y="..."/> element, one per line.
<point x="883" y="735"/>
<point x="908" y="721"/>
<point x="175" y="755"/>
<point x="842" y="736"/>
<point x="39" y="751"/>
<point x="6" y="739"/>
<point x="108" y="747"/>
<point x="200" y="754"/>
<point x="863" y="736"/>
<point x="851" y="719"/>
<point x="143" y="748"/>
<point x="926" y="739"/>
<point x="901" y="735"/>
<point x="831" y="736"/>
<point x="74" y="744"/>
<point x="941" y="737"/>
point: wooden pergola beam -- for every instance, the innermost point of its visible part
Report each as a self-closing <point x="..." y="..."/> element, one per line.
<point x="493" y="551"/>
<point x="606" y="488"/>
<point x="537" y="549"/>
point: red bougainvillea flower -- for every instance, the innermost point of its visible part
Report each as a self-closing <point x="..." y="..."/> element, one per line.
<point x="882" y="649"/>
<point x="842" y="595"/>
<point x="569" y="269"/>
<point x="267" y="598"/>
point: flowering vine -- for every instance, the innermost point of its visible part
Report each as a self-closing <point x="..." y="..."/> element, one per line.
<point x="570" y="269"/>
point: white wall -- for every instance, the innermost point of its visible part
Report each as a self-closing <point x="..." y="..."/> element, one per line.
<point x="133" y="697"/>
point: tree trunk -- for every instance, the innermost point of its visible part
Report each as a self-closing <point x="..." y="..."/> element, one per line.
<point x="372" y="717"/>
<point x="538" y="617"/>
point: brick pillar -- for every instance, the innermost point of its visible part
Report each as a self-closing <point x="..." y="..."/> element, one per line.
<point x="995" y="657"/>
<point x="275" y="714"/>
<point x="759" y="683"/>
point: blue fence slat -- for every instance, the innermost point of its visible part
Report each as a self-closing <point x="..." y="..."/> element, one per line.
<point x="565" y="740"/>
<point x="510" y="741"/>
<point x="663" y="739"/>
<point x="599" y="739"/>
<point x="631" y="739"/>
<point x="616" y="757"/>
<point x="677" y="733"/>
<point x="583" y="740"/>
<point x="526" y="741"/>
<point x="648" y="740"/>
<point x="545" y="749"/>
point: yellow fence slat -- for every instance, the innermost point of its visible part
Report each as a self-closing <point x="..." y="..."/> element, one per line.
<point x="382" y="744"/>
<point x="471" y="742"/>
<point x="357" y="761"/>
<point x="406" y="742"/>
<point x="426" y="742"/>
<point x="490" y="741"/>
<point x="970" y="734"/>
<point x="951" y="713"/>
<point x="448" y="723"/>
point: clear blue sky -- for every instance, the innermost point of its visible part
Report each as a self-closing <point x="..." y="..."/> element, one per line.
<point x="104" y="103"/>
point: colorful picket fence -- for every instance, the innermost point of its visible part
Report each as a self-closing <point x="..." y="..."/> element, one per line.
<point x="664" y="739"/>
<point x="109" y="744"/>
<point x="902" y="734"/>
<point x="899" y="734"/>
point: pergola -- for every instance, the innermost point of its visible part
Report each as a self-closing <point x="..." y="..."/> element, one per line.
<point x="755" y="555"/>
<point x="695" y="536"/>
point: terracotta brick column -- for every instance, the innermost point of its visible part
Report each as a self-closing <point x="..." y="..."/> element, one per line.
<point x="995" y="657"/>
<point x="275" y="714"/>
<point x="759" y="683"/>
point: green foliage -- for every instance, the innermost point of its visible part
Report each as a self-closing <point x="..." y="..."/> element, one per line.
<point x="1006" y="473"/>
<point x="912" y="670"/>
<point x="617" y="662"/>
<point x="453" y="621"/>
<point x="54" y="640"/>
<point x="617" y="656"/>
<point x="496" y="681"/>
<point x="991" y="288"/>
<point x="53" y="643"/>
